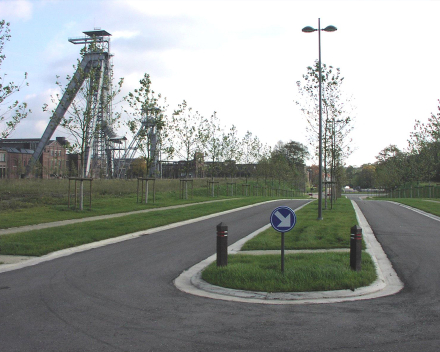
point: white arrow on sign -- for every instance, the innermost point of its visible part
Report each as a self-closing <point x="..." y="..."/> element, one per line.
<point x="285" y="221"/>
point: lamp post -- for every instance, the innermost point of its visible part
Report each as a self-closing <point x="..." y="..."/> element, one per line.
<point x="309" y="29"/>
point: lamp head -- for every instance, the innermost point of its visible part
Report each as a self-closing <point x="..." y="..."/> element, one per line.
<point x="309" y="29"/>
<point x="330" y="29"/>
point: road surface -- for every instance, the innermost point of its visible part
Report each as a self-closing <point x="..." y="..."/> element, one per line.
<point x="121" y="297"/>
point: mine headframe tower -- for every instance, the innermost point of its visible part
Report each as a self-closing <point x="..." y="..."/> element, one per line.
<point x="94" y="73"/>
<point x="148" y="134"/>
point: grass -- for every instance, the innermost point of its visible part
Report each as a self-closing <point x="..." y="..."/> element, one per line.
<point x="29" y="202"/>
<point x="303" y="272"/>
<point x="309" y="233"/>
<point x="33" y="203"/>
<point x="430" y="205"/>
<point x="41" y="242"/>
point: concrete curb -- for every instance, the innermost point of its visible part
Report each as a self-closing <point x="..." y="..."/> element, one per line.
<point x="30" y="261"/>
<point x="388" y="283"/>
<point x="47" y="225"/>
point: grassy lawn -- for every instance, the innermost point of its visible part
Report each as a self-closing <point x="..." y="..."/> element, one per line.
<point x="303" y="272"/>
<point x="431" y="206"/>
<point x="29" y="202"/>
<point x="103" y="206"/>
<point x="40" y="242"/>
<point x="309" y="233"/>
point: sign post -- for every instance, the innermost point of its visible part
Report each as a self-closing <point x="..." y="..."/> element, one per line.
<point x="283" y="219"/>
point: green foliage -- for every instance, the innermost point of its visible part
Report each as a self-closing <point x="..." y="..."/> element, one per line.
<point x="149" y="122"/>
<point x="310" y="233"/>
<point x="396" y="168"/>
<point x="14" y="112"/>
<point x="431" y="206"/>
<point x="40" y="242"/>
<point x="186" y="129"/>
<point x="303" y="272"/>
<point x="211" y="140"/>
<point x="36" y="201"/>
<point x="337" y="111"/>
<point x="424" y="144"/>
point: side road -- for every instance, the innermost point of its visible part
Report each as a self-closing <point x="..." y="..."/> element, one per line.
<point x="12" y="262"/>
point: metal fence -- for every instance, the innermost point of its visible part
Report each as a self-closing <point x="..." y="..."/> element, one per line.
<point x="428" y="191"/>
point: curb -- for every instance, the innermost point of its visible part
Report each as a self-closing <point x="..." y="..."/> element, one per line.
<point x="24" y="262"/>
<point x="387" y="283"/>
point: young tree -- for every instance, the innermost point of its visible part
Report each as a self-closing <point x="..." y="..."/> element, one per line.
<point x="149" y="123"/>
<point x="231" y="150"/>
<point x="250" y="151"/>
<point x="263" y="165"/>
<point x="337" y="112"/>
<point x="11" y="112"/>
<point x="185" y="128"/>
<point x="211" y="137"/>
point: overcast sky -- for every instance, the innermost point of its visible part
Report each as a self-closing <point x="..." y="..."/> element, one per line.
<point x="242" y="58"/>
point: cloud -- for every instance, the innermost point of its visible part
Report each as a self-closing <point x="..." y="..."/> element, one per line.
<point x="17" y="9"/>
<point x="127" y="34"/>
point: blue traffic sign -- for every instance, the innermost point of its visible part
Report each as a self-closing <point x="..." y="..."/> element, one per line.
<point x="283" y="219"/>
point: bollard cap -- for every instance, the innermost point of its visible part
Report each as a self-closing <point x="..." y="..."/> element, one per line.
<point x="356" y="230"/>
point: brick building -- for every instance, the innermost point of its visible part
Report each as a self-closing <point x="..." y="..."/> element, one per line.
<point x="16" y="153"/>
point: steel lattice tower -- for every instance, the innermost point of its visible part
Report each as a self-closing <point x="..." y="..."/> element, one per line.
<point x="95" y="73"/>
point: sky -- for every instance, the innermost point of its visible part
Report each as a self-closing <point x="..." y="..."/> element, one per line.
<point x="241" y="59"/>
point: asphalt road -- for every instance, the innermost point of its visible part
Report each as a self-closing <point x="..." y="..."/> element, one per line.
<point x="121" y="297"/>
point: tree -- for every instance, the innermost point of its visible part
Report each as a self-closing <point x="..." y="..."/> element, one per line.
<point x="263" y="165"/>
<point x="290" y="158"/>
<point x="149" y="123"/>
<point x="231" y="150"/>
<point x="15" y="111"/>
<point x="138" y="167"/>
<point x="390" y="167"/>
<point x="280" y="168"/>
<point x="250" y="151"/>
<point x="211" y="137"/>
<point x="314" y="175"/>
<point x="186" y="125"/>
<point x="424" y="145"/>
<point x="367" y="176"/>
<point x="295" y="153"/>
<point x="337" y="116"/>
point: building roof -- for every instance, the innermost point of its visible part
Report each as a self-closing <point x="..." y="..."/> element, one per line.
<point x="97" y="33"/>
<point x="18" y="150"/>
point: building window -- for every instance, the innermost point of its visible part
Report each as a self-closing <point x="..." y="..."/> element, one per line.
<point x="2" y="157"/>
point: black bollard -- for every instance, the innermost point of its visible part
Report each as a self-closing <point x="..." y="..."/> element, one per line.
<point x="222" y="245"/>
<point x="356" y="248"/>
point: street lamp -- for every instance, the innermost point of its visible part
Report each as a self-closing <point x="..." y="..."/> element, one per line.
<point x="309" y="29"/>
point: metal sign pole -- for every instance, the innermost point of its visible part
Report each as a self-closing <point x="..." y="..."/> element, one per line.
<point x="282" y="252"/>
<point x="283" y="219"/>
